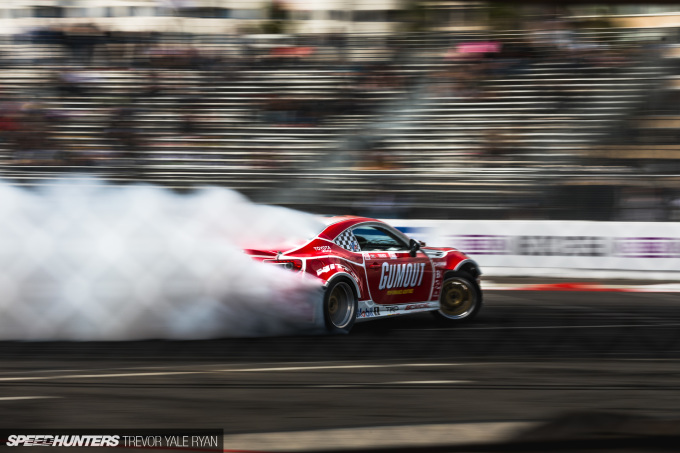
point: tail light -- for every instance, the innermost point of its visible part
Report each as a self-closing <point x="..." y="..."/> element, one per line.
<point x="291" y="265"/>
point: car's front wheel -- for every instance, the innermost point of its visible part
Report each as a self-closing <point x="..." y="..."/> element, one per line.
<point x="340" y="307"/>
<point x="460" y="300"/>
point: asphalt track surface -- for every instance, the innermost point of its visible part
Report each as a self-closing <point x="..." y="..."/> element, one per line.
<point x="531" y="357"/>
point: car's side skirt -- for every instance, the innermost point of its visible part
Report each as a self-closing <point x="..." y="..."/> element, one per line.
<point x="368" y="309"/>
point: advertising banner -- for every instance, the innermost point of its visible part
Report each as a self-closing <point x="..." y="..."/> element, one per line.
<point x="629" y="246"/>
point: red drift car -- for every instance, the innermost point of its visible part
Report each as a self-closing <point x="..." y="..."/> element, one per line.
<point x="370" y="270"/>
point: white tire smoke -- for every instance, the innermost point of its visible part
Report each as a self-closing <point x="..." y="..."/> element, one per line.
<point x="86" y="261"/>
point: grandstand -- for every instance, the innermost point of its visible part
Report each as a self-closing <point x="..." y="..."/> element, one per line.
<point x="398" y="126"/>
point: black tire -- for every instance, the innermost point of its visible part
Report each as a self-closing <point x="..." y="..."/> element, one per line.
<point x="340" y="306"/>
<point x="460" y="300"/>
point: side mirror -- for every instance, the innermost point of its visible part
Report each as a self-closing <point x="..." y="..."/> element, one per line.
<point x="413" y="246"/>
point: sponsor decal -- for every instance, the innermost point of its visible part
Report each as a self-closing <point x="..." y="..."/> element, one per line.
<point x="368" y="312"/>
<point x="416" y="306"/>
<point x="382" y="256"/>
<point x="401" y="275"/>
<point x="378" y="256"/>
<point x="323" y="248"/>
<point x="329" y="268"/>
<point x="393" y="309"/>
<point x="397" y="292"/>
<point x="437" y="287"/>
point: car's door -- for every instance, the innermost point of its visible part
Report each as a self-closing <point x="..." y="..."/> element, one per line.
<point x="393" y="275"/>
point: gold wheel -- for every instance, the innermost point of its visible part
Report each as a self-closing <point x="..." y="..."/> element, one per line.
<point x="459" y="298"/>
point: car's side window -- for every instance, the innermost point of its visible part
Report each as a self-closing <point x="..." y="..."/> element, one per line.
<point x="378" y="239"/>
<point x="347" y="241"/>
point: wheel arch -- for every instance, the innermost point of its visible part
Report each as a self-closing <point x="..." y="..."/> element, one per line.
<point x="469" y="267"/>
<point x="344" y="276"/>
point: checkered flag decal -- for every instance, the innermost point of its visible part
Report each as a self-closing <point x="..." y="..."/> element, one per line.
<point x="347" y="241"/>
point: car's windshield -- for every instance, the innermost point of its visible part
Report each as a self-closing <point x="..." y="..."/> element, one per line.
<point x="374" y="238"/>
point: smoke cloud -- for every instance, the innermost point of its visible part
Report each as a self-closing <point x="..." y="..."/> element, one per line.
<point x="88" y="261"/>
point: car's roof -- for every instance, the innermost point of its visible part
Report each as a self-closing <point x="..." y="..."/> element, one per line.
<point x="337" y="224"/>
<point x="348" y="219"/>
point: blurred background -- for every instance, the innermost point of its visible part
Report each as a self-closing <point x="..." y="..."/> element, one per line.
<point x="388" y="108"/>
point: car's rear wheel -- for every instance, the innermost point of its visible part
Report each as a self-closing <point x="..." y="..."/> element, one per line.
<point x="460" y="300"/>
<point x="340" y="307"/>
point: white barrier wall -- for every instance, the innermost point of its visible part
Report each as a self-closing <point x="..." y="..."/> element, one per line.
<point x="557" y="248"/>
